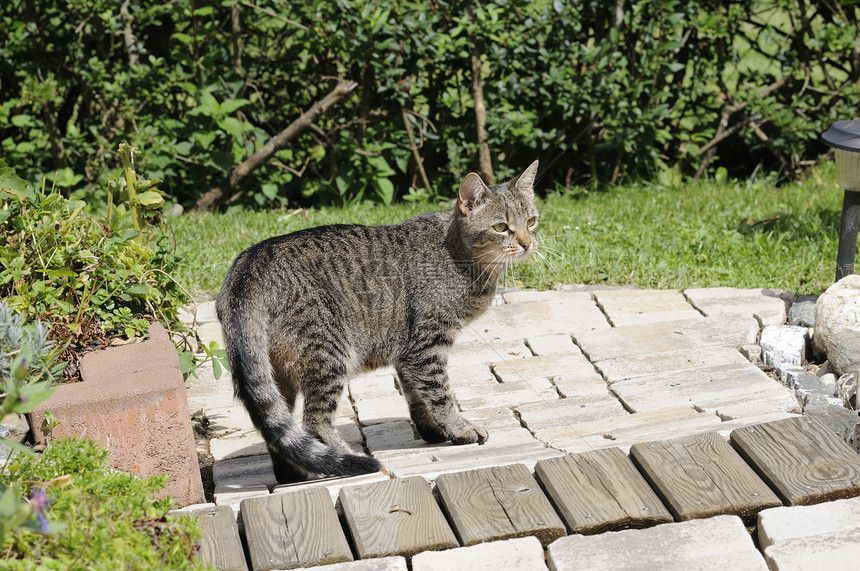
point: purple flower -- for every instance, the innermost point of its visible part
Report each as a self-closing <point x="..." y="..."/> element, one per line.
<point x="39" y="502"/>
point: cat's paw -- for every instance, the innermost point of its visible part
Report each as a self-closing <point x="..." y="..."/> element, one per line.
<point x="468" y="434"/>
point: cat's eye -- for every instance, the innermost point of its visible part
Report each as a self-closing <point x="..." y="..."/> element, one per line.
<point x="532" y="221"/>
<point x="500" y="227"/>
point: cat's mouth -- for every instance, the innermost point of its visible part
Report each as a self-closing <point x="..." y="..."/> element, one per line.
<point x="523" y="253"/>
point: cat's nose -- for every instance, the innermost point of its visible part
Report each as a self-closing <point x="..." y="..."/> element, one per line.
<point x="525" y="241"/>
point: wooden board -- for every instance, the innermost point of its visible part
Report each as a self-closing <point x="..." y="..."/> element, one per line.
<point x="702" y="476"/>
<point x="293" y="529"/>
<point x="396" y="517"/>
<point x="498" y="503"/>
<point x="802" y="459"/>
<point x="221" y="545"/>
<point x="599" y="491"/>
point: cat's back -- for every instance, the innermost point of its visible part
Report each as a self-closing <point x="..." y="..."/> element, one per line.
<point x="331" y="253"/>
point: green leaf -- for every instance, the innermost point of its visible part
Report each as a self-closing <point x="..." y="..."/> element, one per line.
<point x="269" y="190"/>
<point x="385" y="190"/>
<point x="150" y="198"/>
<point x="22" y="121"/>
<point x="138" y="289"/>
<point x="183" y="38"/>
<point x="232" y="105"/>
<point x="32" y="395"/>
<point x="204" y="138"/>
<point x="233" y="126"/>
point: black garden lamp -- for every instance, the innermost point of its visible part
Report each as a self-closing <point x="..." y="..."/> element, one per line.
<point x="844" y="136"/>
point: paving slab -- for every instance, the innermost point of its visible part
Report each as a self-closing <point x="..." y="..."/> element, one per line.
<point x="396" y="437"/>
<point x="333" y="485"/>
<point x="211" y="332"/>
<point x="552" y="344"/>
<point x="522" y="554"/>
<point x="631" y="366"/>
<point x="575" y="386"/>
<point x="205" y="386"/>
<point x="493" y="417"/>
<point x="569" y="411"/>
<point x="229" y="419"/>
<point x="710" y="389"/>
<point x="567" y="314"/>
<point x="639" y="307"/>
<point x="473" y="352"/>
<point x="377" y="564"/>
<point x="506" y="394"/>
<point x="625" y="430"/>
<point x="470" y="375"/>
<point x="382" y="409"/>
<point x="373" y="386"/>
<point x="237" y="445"/>
<point x="766" y="305"/>
<point x="805" y="537"/>
<point x="505" y="446"/>
<point x="720" y="542"/>
<point x="239" y="474"/>
<point x="572" y="365"/>
<point x="662" y="337"/>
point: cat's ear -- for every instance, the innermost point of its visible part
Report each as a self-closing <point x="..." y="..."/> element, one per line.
<point x="473" y="193"/>
<point x="526" y="180"/>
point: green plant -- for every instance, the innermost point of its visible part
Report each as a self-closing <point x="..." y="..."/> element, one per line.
<point x="27" y="366"/>
<point x="108" y="519"/>
<point x="599" y="91"/>
<point x="86" y="275"/>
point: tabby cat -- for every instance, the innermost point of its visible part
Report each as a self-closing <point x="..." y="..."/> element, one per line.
<point x="306" y="311"/>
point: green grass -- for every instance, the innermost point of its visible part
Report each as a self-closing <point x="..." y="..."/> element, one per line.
<point x="746" y="235"/>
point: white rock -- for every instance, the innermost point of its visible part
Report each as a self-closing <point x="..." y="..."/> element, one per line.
<point x="783" y="345"/>
<point x="837" y="324"/>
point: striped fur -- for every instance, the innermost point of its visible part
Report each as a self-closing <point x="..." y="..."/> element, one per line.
<point x="306" y="311"/>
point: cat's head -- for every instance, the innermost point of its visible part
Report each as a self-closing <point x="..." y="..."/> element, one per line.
<point x="500" y="223"/>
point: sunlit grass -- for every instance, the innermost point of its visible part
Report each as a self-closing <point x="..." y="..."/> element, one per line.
<point x="746" y="235"/>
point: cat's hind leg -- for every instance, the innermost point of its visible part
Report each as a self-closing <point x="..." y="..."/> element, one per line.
<point x="320" y="406"/>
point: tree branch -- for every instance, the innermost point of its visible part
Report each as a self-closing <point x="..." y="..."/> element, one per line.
<point x="223" y="189"/>
<point x="484" y="160"/>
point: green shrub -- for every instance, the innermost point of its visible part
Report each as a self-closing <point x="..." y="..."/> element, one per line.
<point x="599" y="91"/>
<point x="87" y="275"/>
<point x="76" y="272"/>
<point x="107" y="519"/>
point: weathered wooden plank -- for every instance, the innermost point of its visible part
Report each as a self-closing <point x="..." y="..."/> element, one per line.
<point x="293" y="529"/>
<point x="599" y="491"/>
<point x="498" y="503"/>
<point x="802" y="459"/>
<point x="221" y="545"/>
<point x="397" y="517"/>
<point x="702" y="476"/>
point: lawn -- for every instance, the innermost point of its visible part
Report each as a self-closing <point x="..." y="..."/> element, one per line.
<point x="737" y="234"/>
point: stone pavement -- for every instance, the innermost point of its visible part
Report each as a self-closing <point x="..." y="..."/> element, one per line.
<point x="566" y="371"/>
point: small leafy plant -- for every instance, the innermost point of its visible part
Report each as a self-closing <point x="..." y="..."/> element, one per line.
<point x="89" y="276"/>
<point x="27" y="365"/>
<point x="97" y="517"/>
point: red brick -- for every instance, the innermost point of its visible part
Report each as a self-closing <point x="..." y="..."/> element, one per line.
<point x="132" y="400"/>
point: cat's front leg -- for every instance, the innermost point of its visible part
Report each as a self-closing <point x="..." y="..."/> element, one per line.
<point x="431" y="405"/>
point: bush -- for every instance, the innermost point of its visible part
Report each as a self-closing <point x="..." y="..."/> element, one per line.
<point x="87" y="276"/>
<point x="102" y="518"/>
<point x="77" y="272"/>
<point x="599" y="91"/>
